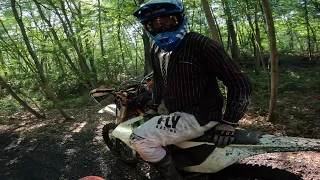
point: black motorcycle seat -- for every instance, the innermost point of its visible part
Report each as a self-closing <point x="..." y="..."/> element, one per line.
<point x="241" y="137"/>
<point x="247" y="137"/>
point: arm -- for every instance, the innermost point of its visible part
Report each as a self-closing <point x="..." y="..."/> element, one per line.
<point x="156" y="86"/>
<point x="239" y="87"/>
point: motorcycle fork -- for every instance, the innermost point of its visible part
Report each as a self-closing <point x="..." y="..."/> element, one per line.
<point x="123" y="113"/>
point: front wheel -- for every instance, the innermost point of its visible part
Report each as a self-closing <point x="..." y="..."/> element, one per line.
<point x="117" y="147"/>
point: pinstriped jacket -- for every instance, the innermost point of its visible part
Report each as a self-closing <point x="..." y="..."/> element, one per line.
<point x="192" y="87"/>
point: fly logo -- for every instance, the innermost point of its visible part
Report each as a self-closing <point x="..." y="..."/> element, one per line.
<point x="168" y="123"/>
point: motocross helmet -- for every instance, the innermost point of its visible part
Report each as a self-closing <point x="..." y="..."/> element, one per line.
<point x="164" y="21"/>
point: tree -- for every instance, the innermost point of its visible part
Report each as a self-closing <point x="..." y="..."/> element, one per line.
<point x="231" y="31"/>
<point x="211" y="21"/>
<point x="21" y="102"/>
<point x="308" y="28"/>
<point x="39" y="66"/>
<point x="273" y="57"/>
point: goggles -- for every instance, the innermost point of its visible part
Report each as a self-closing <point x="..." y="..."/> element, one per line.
<point x="168" y="23"/>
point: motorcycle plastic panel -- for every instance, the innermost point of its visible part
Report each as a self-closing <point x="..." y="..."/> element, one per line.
<point x="124" y="130"/>
<point x="191" y="156"/>
<point x="221" y="158"/>
<point x="110" y="109"/>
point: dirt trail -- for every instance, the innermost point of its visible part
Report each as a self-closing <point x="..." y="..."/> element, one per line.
<point x="57" y="149"/>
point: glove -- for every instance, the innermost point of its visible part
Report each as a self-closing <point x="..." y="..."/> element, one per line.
<point x="150" y="113"/>
<point x="223" y="135"/>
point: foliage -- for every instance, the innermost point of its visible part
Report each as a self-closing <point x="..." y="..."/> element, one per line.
<point x="84" y="44"/>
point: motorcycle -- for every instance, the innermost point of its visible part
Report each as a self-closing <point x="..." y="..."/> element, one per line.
<point x="196" y="157"/>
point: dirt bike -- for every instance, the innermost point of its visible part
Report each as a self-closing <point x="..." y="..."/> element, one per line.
<point x="196" y="157"/>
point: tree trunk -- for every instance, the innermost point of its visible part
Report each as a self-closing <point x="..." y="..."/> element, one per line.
<point x="257" y="39"/>
<point x="273" y="57"/>
<point x="103" y="55"/>
<point x="43" y="80"/>
<point x="76" y="44"/>
<point x="314" y="42"/>
<point x="2" y="65"/>
<point x="21" y="102"/>
<point x="259" y="53"/>
<point x="308" y="29"/>
<point x="121" y="49"/>
<point x="90" y="56"/>
<point x="210" y="20"/>
<point x="57" y="40"/>
<point x="289" y="30"/>
<point x="85" y="53"/>
<point x="234" y="43"/>
<point x="192" y="16"/>
<point x="219" y="31"/>
<point x="147" y="59"/>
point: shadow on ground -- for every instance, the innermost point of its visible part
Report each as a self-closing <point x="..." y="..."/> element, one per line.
<point x="55" y="149"/>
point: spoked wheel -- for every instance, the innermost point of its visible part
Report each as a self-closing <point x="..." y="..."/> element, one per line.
<point x="251" y="172"/>
<point x="116" y="146"/>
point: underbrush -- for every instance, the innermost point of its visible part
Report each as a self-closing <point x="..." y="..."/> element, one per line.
<point x="298" y="105"/>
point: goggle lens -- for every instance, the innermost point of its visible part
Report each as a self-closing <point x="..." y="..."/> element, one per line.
<point x="162" y="24"/>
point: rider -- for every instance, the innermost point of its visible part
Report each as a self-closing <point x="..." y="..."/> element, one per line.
<point x="186" y="66"/>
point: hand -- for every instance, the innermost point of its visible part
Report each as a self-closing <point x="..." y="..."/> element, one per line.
<point x="223" y="135"/>
<point x="150" y="113"/>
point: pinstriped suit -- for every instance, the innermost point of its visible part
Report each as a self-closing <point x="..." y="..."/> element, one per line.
<point x="192" y="87"/>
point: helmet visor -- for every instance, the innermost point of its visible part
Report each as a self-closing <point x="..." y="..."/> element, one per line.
<point x="168" y="23"/>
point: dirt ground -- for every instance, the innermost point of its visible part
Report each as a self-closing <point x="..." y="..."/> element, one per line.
<point x="57" y="149"/>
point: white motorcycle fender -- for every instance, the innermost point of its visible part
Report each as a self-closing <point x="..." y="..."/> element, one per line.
<point x="124" y="130"/>
<point x="110" y="109"/>
<point x="220" y="158"/>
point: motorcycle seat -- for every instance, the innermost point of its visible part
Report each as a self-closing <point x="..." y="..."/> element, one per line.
<point x="241" y="137"/>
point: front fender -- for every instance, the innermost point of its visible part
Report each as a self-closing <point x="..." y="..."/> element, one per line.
<point x="110" y="109"/>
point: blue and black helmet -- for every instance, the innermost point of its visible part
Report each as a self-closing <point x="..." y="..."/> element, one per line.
<point x="167" y="40"/>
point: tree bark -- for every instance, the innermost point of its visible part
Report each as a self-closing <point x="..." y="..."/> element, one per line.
<point x="39" y="67"/>
<point x="259" y="53"/>
<point x="121" y="49"/>
<point x="103" y="55"/>
<point x="234" y="43"/>
<point x="2" y="65"/>
<point x="273" y="57"/>
<point x="210" y="20"/>
<point x="147" y="59"/>
<point x="289" y="30"/>
<point x="308" y="29"/>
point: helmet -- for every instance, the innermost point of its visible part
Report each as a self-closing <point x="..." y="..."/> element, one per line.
<point x="165" y="22"/>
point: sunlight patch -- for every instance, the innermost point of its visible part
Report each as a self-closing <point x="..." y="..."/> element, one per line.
<point x="13" y="161"/>
<point x="4" y="127"/>
<point x="98" y="139"/>
<point x="76" y="127"/>
<point x="71" y="152"/>
<point x="15" y="144"/>
<point x="30" y="127"/>
<point x="292" y="74"/>
<point x="66" y="138"/>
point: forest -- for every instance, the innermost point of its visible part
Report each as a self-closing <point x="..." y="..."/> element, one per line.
<point x="53" y="52"/>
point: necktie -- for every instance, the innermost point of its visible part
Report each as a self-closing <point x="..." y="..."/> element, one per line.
<point x="164" y="69"/>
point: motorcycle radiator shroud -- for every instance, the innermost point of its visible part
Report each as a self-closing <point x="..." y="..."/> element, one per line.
<point x="200" y="155"/>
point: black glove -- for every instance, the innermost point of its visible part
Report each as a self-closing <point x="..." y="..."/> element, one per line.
<point x="150" y="113"/>
<point x="223" y="135"/>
